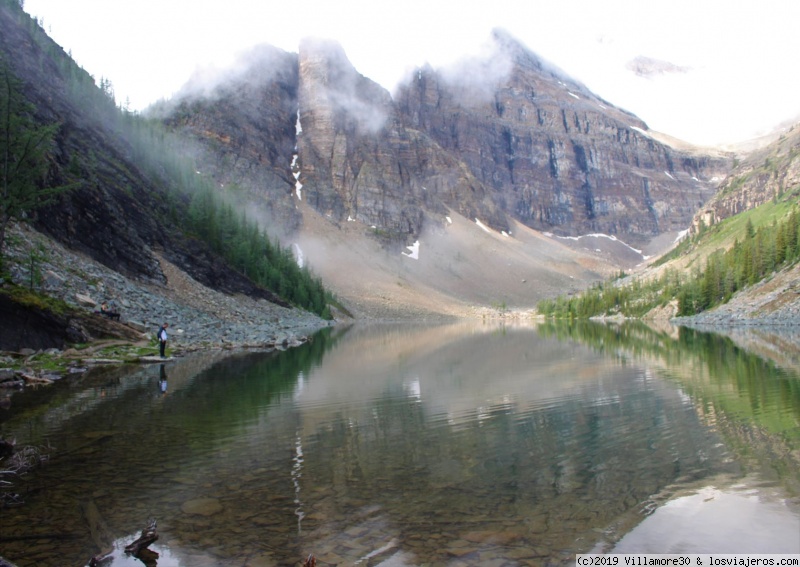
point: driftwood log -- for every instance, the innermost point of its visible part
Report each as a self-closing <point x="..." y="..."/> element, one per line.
<point x="149" y="535"/>
<point x="148" y="557"/>
<point x="101" y="537"/>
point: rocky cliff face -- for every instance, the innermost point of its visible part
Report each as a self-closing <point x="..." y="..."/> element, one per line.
<point x="358" y="160"/>
<point x="760" y="177"/>
<point x="243" y="122"/>
<point x="503" y="138"/>
<point x="553" y="154"/>
<point x="351" y="147"/>
<point x="309" y="127"/>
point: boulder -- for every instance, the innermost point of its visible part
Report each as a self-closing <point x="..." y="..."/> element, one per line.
<point x="85" y="301"/>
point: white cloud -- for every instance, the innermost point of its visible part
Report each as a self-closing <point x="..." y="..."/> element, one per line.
<point x="739" y="54"/>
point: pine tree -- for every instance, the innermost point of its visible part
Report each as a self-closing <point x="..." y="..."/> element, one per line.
<point x="780" y="244"/>
<point x="749" y="230"/>
<point x="791" y="235"/>
<point x="24" y="148"/>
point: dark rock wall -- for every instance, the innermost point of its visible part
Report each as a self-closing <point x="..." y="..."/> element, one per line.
<point x="39" y="328"/>
<point x="359" y="161"/>
<point x="554" y="155"/>
<point x="245" y="130"/>
<point x="116" y="212"/>
<point x="34" y="328"/>
<point x="506" y="138"/>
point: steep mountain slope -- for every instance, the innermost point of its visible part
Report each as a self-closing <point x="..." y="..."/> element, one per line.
<point x="118" y="213"/>
<point x="461" y="169"/>
<point x="501" y="139"/>
<point x="762" y="175"/>
<point x="555" y="156"/>
<point x="505" y="143"/>
<point x="762" y="190"/>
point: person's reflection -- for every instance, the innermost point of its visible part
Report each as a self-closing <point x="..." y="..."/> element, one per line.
<point x="162" y="380"/>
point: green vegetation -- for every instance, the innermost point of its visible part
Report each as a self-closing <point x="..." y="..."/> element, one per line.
<point x="24" y="147"/>
<point x="46" y="362"/>
<point x="200" y="208"/>
<point x="500" y="306"/>
<point x="251" y="251"/>
<point x="738" y="384"/>
<point x="194" y="203"/>
<point x="35" y="300"/>
<point x="755" y="254"/>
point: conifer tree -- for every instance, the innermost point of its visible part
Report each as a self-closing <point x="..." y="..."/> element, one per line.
<point x="24" y="147"/>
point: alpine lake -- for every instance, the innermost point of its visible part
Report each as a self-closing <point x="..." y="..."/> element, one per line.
<point x="472" y="443"/>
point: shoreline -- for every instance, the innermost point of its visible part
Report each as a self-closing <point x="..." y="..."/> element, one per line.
<point x="19" y="370"/>
<point x="200" y="318"/>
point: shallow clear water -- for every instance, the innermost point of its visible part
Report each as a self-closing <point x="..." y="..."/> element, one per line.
<point x="466" y="444"/>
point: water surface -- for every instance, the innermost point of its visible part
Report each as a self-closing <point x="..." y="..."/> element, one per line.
<point x="465" y="444"/>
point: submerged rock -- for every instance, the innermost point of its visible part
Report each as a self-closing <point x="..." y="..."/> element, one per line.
<point x="202" y="507"/>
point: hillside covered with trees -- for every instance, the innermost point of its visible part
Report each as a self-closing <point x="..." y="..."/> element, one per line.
<point x="704" y="271"/>
<point x="113" y="184"/>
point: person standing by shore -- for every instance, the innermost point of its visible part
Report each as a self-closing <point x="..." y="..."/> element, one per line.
<point x="162" y="340"/>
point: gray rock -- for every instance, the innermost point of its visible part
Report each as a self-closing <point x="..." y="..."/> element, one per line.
<point x="85" y="300"/>
<point x="52" y="280"/>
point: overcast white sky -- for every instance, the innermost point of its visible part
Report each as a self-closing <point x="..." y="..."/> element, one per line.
<point x="740" y="55"/>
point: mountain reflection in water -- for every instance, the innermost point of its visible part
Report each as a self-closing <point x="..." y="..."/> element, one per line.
<point x="471" y="443"/>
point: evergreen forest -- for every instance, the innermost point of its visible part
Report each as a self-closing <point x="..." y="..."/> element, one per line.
<point x="755" y="254"/>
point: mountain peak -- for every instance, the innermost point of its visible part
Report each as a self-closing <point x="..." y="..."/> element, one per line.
<point x="525" y="59"/>
<point x="259" y="65"/>
<point x="515" y="49"/>
<point x="329" y="50"/>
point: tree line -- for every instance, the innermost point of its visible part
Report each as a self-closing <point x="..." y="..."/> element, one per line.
<point x="194" y="203"/>
<point x="251" y="251"/>
<point x="201" y="208"/>
<point x="755" y="256"/>
<point x="760" y="253"/>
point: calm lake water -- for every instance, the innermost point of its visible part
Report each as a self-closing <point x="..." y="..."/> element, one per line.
<point x="399" y="445"/>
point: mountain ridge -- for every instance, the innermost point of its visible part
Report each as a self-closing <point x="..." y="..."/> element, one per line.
<point x="467" y="173"/>
<point x="534" y="147"/>
<point x="551" y="143"/>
